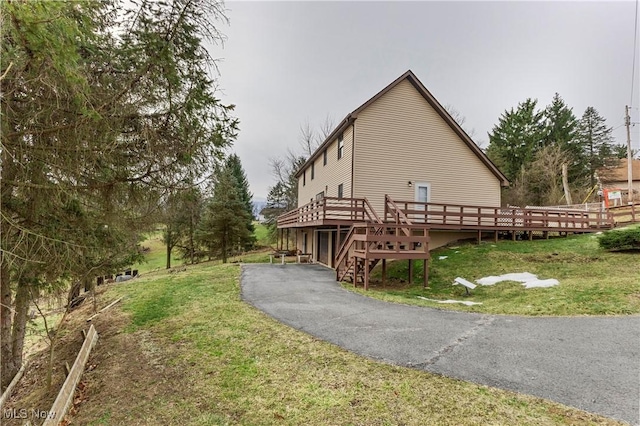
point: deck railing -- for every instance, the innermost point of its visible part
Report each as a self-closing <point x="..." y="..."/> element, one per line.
<point x="392" y="241"/>
<point x="455" y="216"/>
<point x="374" y="242"/>
<point x="625" y="214"/>
<point x="458" y="216"/>
<point x="329" y="209"/>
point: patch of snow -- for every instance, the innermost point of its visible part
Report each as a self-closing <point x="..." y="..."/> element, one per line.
<point x="464" y="302"/>
<point x="518" y="276"/>
<point x="442" y="257"/>
<point x="527" y="279"/>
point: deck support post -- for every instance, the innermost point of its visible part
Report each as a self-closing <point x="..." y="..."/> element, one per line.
<point x="479" y="237"/>
<point x="384" y="271"/>
<point x="425" y="268"/>
<point x="336" y="244"/>
<point x="355" y="271"/>
<point x="530" y="235"/>
<point x="545" y="234"/>
<point x="410" y="271"/>
<point x="287" y="239"/>
<point x="366" y="273"/>
<point x="513" y="235"/>
<point x="280" y="231"/>
<point x="495" y="237"/>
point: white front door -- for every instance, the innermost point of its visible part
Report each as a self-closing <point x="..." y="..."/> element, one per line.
<point x="422" y="195"/>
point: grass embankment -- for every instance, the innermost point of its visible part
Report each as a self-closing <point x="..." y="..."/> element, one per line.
<point x="592" y="280"/>
<point x="194" y="353"/>
<point x="182" y="348"/>
<point x="156" y="256"/>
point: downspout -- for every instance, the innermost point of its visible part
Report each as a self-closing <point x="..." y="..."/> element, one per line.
<point x="353" y="154"/>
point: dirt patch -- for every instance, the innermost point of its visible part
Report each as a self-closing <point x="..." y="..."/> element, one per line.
<point x="127" y="373"/>
<point x="31" y="398"/>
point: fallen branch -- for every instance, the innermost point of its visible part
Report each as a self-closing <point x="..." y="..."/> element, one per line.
<point x="104" y="309"/>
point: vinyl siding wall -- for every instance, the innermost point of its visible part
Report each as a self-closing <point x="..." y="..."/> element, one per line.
<point x="622" y="185"/>
<point x="327" y="178"/>
<point x="401" y="138"/>
<point x="442" y="238"/>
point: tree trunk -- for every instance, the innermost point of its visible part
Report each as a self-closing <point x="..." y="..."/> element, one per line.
<point x="19" y="329"/>
<point x="89" y="284"/>
<point x="5" y="324"/>
<point x="170" y="243"/>
<point x="224" y="247"/>
<point x="565" y="184"/>
<point x="191" y="246"/>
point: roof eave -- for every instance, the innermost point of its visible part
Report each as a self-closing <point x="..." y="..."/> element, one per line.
<point x="504" y="182"/>
<point x="409" y="75"/>
<point x="344" y="124"/>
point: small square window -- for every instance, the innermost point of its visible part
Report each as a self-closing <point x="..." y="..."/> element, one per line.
<point x="304" y="178"/>
<point x="313" y="170"/>
<point x="324" y="157"/>
<point x="340" y="191"/>
<point x="340" y="146"/>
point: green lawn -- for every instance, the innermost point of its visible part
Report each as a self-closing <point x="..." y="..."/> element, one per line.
<point x="592" y="281"/>
<point x="262" y="234"/>
<point x="204" y="357"/>
<point x="156" y="257"/>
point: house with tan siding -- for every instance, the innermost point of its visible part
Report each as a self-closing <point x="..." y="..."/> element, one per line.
<point x="396" y="178"/>
<point x="616" y="178"/>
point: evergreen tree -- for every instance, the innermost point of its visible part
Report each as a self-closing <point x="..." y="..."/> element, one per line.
<point x="560" y="130"/>
<point x="102" y="109"/>
<point x="620" y="151"/>
<point x="182" y="213"/>
<point x="596" y="141"/>
<point x="515" y="139"/>
<point x="234" y="166"/>
<point x="223" y="228"/>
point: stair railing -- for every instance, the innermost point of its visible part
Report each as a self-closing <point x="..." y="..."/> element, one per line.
<point x="399" y="216"/>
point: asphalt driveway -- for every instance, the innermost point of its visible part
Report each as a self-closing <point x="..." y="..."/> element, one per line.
<point x="591" y="363"/>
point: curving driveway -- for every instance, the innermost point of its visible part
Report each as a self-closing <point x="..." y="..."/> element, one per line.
<point x="592" y="363"/>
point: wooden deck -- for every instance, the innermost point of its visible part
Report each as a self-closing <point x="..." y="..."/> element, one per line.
<point x="403" y="231"/>
<point x="366" y="244"/>
<point x="623" y="215"/>
<point x="463" y="217"/>
<point x="329" y="211"/>
<point x="347" y="211"/>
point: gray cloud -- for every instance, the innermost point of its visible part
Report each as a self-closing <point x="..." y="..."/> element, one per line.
<point x="286" y="63"/>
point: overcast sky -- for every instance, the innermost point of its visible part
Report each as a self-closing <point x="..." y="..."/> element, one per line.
<point x="288" y="63"/>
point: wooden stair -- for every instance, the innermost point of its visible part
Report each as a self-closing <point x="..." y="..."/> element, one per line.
<point x="371" y="241"/>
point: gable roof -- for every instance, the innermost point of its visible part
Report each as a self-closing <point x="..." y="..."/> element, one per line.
<point x="619" y="173"/>
<point x="410" y="76"/>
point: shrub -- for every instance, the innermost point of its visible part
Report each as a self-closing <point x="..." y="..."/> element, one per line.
<point x="620" y="239"/>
